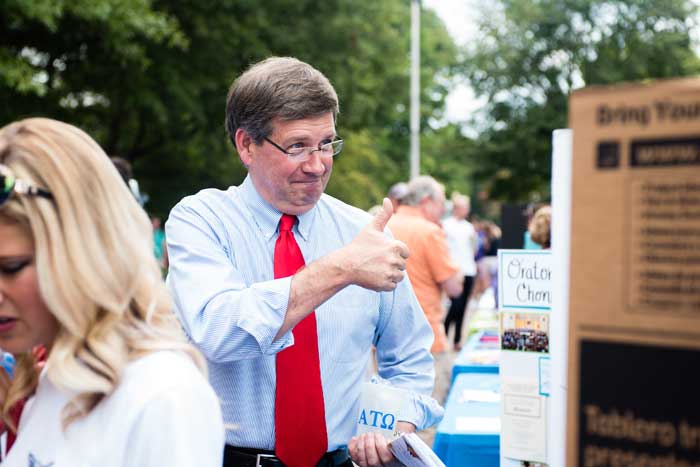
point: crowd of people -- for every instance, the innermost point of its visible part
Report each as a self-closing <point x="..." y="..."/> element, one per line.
<point x="277" y="296"/>
<point x="453" y="254"/>
<point x="525" y="340"/>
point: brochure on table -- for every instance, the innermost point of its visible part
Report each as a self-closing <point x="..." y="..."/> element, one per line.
<point x="525" y="304"/>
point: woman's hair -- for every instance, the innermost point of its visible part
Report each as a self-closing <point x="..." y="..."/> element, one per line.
<point x="540" y="227"/>
<point x="95" y="266"/>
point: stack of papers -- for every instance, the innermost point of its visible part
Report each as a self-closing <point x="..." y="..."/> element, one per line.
<point x="479" y="395"/>
<point x="484" y="357"/>
<point x="411" y="451"/>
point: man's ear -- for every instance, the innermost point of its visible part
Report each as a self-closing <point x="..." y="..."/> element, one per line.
<point x="243" y="146"/>
<point x="423" y="203"/>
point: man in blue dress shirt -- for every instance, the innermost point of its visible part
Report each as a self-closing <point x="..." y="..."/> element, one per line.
<point x="280" y="116"/>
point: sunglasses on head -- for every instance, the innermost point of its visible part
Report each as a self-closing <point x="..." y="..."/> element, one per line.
<point x="9" y="185"/>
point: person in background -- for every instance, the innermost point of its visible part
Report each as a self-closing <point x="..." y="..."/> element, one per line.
<point x="462" y="243"/>
<point x="159" y="248"/>
<point x="430" y="267"/>
<point x="123" y="166"/>
<point x="528" y="244"/>
<point x="481" y="237"/>
<point x="482" y="281"/>
<point x="125" y="171"/>
<point x="488" y="265"/>
<point x="540" y="227"/>
<point x="285" y="289"/>
<point x="78" y="280"/>
<point x="396" y="193"/>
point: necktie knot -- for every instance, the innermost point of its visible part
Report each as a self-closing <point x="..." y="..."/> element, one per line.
<point x="287" y="222"/>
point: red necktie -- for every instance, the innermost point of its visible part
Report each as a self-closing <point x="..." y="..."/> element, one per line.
<point x="300" y="421"/>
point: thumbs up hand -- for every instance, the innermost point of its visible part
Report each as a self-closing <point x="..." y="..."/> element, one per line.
<point x="382" y="217"/>
<point x="373" y="260"/>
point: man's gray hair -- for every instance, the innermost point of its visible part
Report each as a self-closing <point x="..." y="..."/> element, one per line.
<point x="419" y="188"/>
<point x="277" y="87"/>
<point x="398" y="190"/>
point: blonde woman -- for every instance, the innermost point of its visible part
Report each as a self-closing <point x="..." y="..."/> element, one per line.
<point x="120" y="387"/>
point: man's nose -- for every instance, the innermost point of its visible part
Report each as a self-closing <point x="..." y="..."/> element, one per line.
<point x="314" y="164"/>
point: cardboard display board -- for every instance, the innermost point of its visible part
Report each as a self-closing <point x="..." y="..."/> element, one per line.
<point x="634" y="323"/>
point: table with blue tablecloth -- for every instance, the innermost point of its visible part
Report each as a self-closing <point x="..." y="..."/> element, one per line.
<point x="469" y="434"/>
<point x="480" y="355"/>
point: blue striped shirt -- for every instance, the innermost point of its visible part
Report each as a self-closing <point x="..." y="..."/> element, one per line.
<point x="221" y="247"/>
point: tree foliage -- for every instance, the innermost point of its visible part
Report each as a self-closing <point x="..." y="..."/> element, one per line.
<point x="148" y="79"/>
<point x="528" y="56"/>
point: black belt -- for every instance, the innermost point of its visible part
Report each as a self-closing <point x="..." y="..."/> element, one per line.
<point x="249" y="457"/>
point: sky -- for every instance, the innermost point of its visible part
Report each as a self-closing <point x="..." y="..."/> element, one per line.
<point x="456" y="14"/>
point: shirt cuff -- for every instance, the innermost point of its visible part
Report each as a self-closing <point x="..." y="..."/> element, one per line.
<point x="272" y="300"/>
<point x="423" y="411"/>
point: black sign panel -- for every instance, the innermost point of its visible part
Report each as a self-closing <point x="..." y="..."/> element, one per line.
<point x="608" y="155"/>
<point x="639" y="406"/>
<point x="665" y="153"/>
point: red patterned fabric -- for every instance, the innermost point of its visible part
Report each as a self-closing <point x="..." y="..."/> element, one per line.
<point x="15" y="414"/>
<point x="16" y="410"/>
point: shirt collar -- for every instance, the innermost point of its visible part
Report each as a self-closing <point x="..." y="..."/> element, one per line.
<point x="267" y="217"/>
<point x="306" y="220"/>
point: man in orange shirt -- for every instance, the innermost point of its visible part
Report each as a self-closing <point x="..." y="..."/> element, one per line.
<point x="429" y="267"/>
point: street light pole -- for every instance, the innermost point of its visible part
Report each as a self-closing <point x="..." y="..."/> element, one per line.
<point x="415" y="88"/>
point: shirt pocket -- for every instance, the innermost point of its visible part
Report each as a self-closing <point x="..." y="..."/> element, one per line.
<point x="347" y="323"/>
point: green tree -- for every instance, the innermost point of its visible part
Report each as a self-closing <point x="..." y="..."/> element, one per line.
<point x="529" y="55"/>
<point x="445" y="155"/>
<point x="148" y="79"/>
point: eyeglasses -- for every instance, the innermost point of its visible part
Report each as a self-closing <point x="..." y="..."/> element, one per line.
<point x="9" y="185"/>
<point x="297" y="154"/>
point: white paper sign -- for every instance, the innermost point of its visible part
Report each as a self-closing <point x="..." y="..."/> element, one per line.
<point x="523" y="416"/>
<point x="381" y="406"/>
<point x="477" y="425"/>
<point x="479" y="395"/>
<point x="525" y="278"/>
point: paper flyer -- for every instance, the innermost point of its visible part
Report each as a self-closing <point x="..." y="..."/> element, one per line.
<point x="523" y="420"/>
<point x="411" y="451"/>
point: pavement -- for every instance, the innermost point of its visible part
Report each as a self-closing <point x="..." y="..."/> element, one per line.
<point x="443" y="376"/>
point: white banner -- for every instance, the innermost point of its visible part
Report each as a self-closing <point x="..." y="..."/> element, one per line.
<point x="525" y="278"/>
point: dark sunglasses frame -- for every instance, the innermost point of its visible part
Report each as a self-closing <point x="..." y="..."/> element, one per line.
<point x="9" y="184"/>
